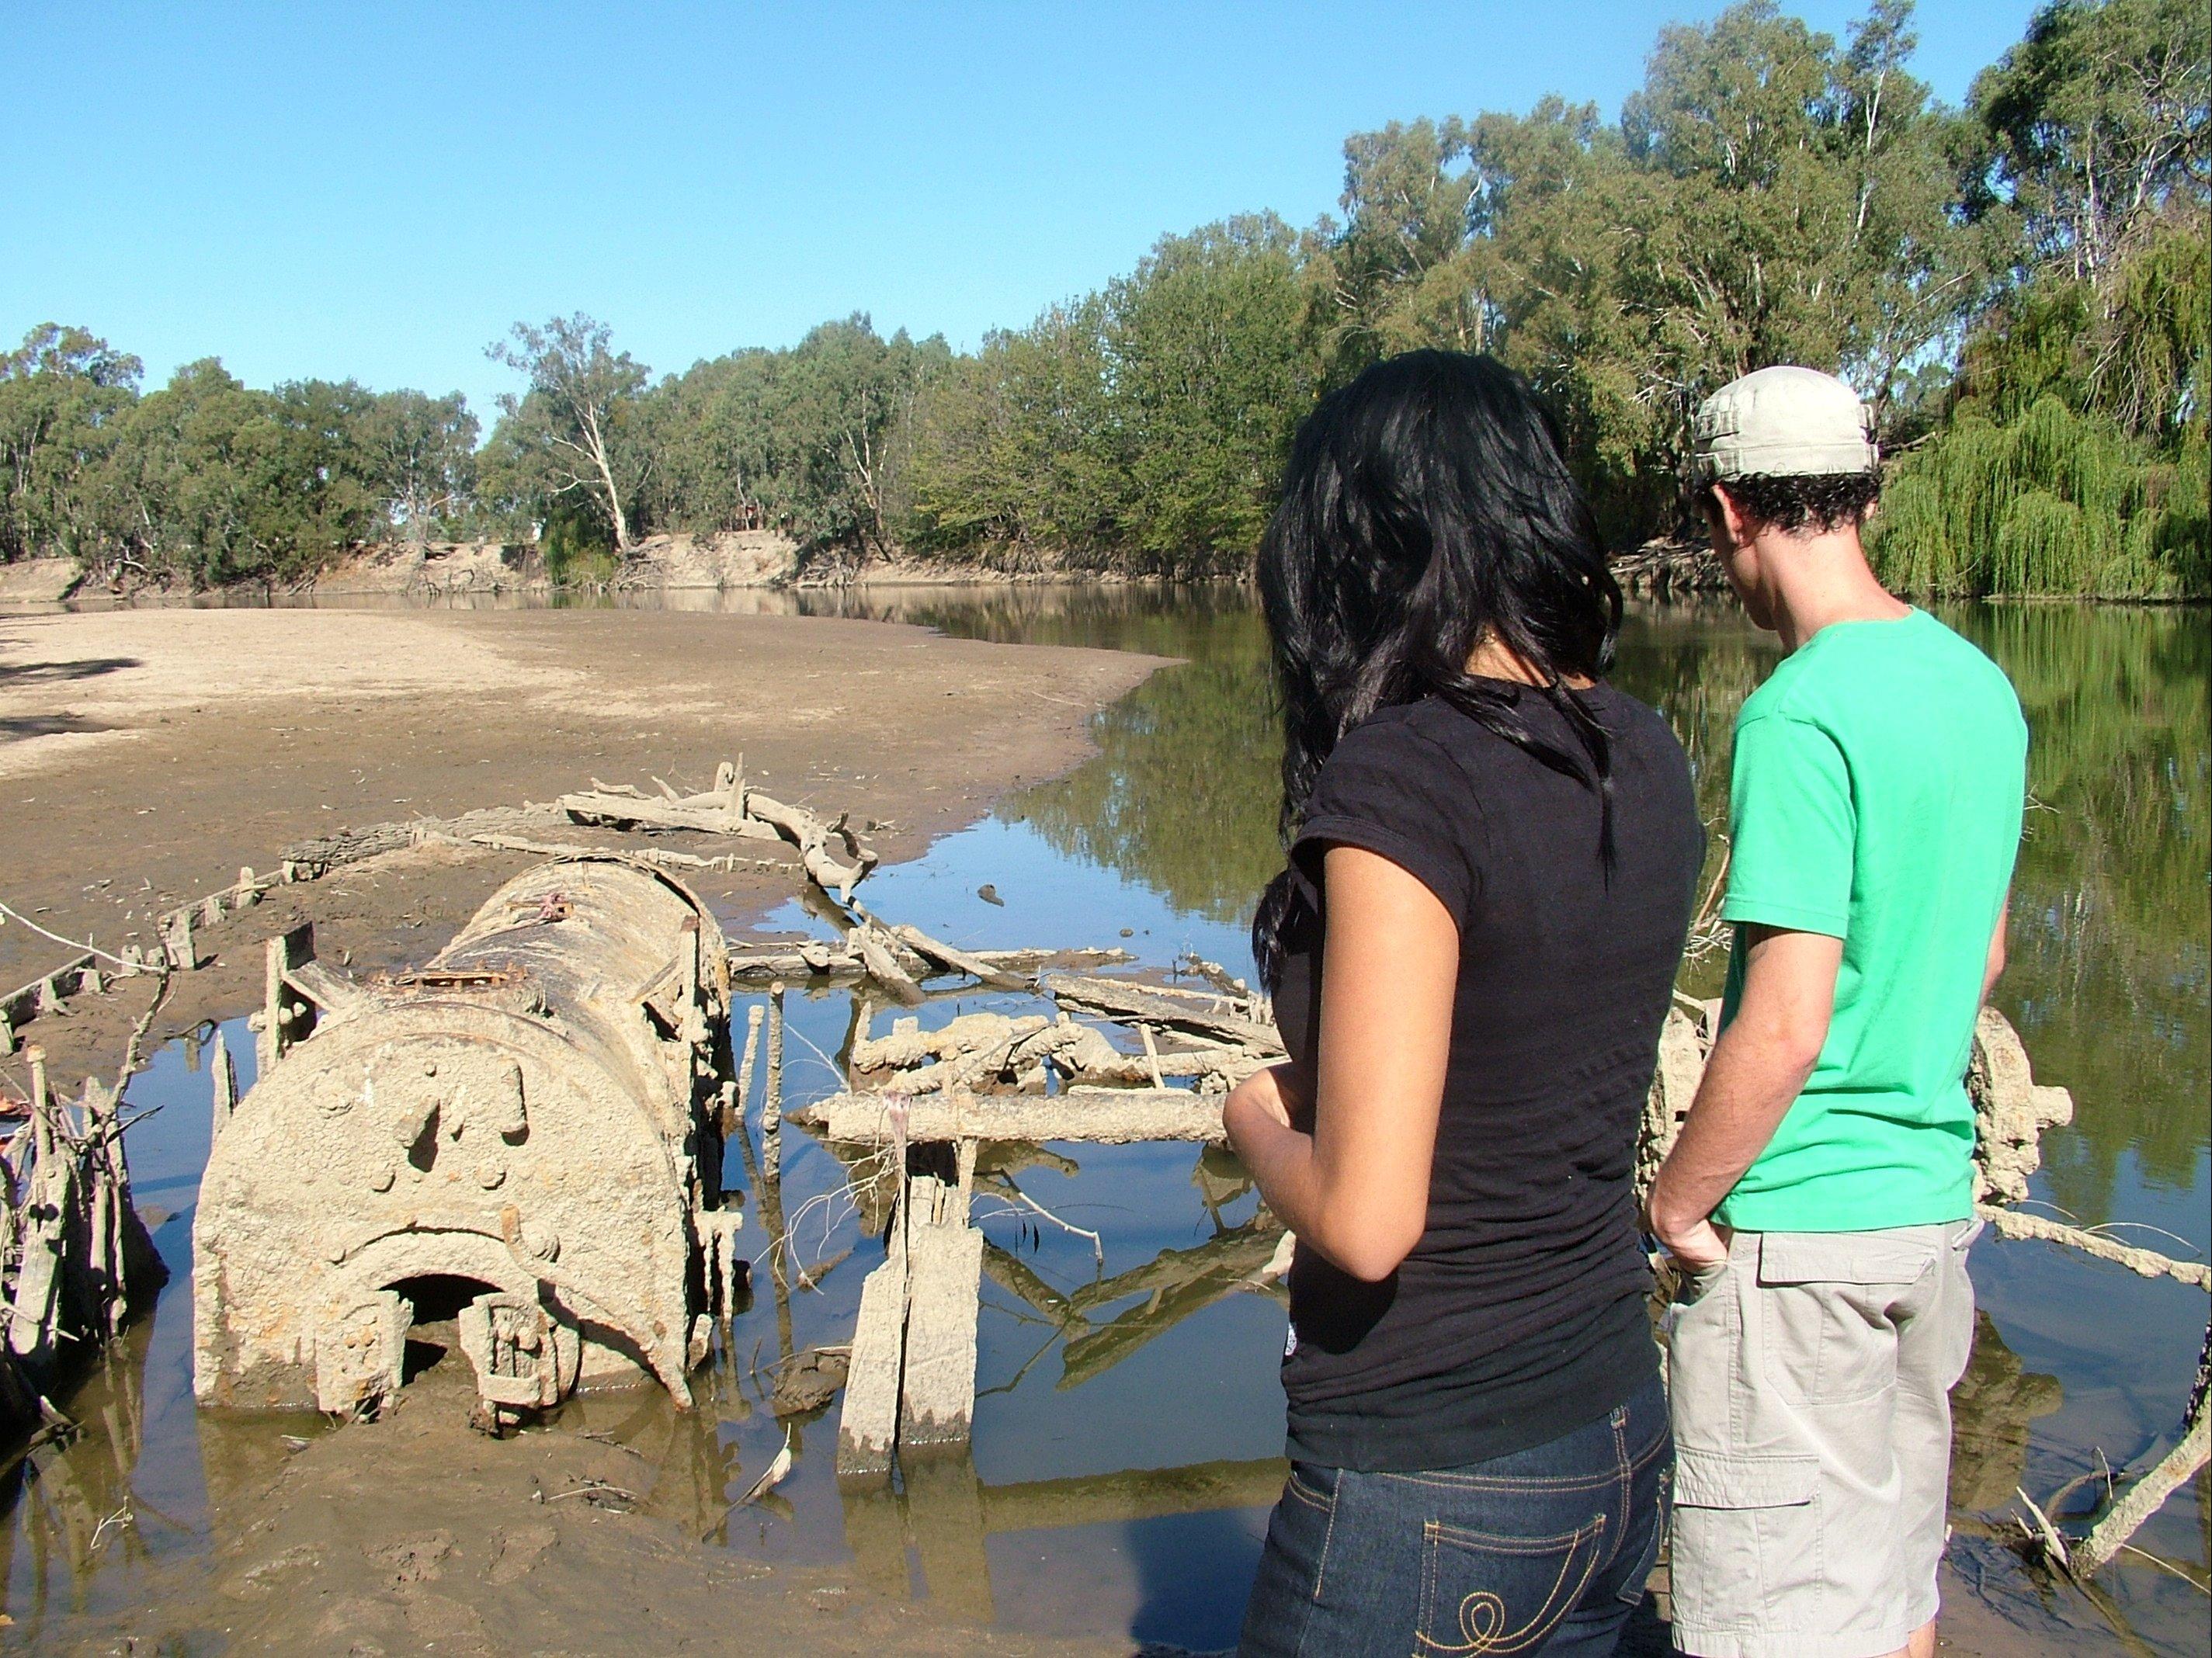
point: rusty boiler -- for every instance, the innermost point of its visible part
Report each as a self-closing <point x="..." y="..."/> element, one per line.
<point x="523" y="1136"/>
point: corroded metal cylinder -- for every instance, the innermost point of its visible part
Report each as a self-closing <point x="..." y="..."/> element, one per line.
<point x="523" y="1134"/>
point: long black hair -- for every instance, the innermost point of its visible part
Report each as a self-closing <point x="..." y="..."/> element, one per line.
<point x="1428" y="507"/>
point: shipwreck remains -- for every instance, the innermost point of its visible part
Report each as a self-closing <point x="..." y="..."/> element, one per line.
<point x="523" y="1135"/>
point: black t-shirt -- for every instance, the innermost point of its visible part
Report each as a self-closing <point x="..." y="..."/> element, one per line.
<point x="1521" y="1314"/>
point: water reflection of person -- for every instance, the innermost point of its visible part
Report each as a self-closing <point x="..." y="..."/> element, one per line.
<point x="1472" y="951"/>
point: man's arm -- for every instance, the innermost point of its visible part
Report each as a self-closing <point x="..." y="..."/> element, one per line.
<point x="1757" y="1068"/>
<point x="1357" y="1188"/>
<point x="1993" y="968"/>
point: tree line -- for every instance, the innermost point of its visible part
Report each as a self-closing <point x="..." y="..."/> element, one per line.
<point x="2019" y="286"/>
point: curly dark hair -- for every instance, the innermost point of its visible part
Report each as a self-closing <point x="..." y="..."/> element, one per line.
<point x="1816" y="502"/>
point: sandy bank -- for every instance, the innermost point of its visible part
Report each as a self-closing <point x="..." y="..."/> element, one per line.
<point x="146" y="755"/>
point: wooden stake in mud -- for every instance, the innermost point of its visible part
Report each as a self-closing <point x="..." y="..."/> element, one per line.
<point x="772" y="1106"/>
<point x="268" y="1046"/>
<point x="176" y="940"/>
<point x="225" y="1075"/>
<point x="745" y="1071"/>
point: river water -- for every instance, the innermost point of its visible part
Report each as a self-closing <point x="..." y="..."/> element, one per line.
<point x="1128" y="1420"/>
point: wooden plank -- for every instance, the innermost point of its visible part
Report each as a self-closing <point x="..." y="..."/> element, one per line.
<point x="1180" y="1010"/>
<point x="1105" y="1116"/>
<point x="336" y="994"/>
<point x="945" y="1274"/>
<point x="959" y="961"/>
<point x="867" y="1421"/>
<point x="21" y="1006"/>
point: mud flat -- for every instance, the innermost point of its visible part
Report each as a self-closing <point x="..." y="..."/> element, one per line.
<point x="146" y="755"/>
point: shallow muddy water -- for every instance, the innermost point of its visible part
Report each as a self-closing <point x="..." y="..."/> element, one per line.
<point x="1128" y="1421"/>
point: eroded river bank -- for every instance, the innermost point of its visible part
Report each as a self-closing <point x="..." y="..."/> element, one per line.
<point x="1124" y="1445"/>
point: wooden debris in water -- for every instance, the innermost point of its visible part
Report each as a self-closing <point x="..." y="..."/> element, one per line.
<point x="1102" y="1116"/>
<point x="2109" y="1537"/>
<point x="831" y="854"/>
<point x="74" y="1257"/>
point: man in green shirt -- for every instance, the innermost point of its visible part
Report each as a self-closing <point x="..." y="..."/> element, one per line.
<point x="1821" y="1192"/>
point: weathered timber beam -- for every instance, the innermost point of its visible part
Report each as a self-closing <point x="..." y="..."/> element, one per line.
<point x="957" y="961"/>
<point x="699" y="815"/>
<point x="1106" y="1116"/>
<point x="326" y="853"/>
<point x="1030" y="961"/>
<point x="21" y="1007"/>
<point x="944" y="1269"/>
<point x="336" y="994"/>
<point x="659" y="857"/>
<point x="1208" y="1015"/>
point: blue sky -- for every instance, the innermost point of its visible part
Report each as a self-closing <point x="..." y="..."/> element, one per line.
<point x="378" y="191"/>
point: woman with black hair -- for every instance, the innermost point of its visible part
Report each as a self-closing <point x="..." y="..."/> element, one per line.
<point x="1491" y="861"/>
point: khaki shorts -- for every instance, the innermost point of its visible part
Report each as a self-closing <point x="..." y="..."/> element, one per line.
<point x="1810" y="1382"/>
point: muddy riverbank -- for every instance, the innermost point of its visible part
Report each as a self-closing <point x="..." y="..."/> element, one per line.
<point x="147" y="754"/>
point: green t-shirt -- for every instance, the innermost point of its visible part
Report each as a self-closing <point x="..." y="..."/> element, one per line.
<point x="1880" y="778"/>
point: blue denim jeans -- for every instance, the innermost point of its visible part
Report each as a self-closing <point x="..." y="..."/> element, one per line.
<point x="1544" y="1551"/>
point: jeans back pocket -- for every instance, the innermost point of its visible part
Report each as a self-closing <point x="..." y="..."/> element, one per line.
<point x="1483" y="1594"/>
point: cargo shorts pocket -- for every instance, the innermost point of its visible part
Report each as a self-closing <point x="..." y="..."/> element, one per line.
<point x="1482" y="1593"/>
<point x="1741" y="1522"/>
<point x="1827" y="1311"/>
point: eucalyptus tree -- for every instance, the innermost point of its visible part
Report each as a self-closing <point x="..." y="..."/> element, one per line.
<point x="2098" y="122"/>
<point x="62" y="393"/>
<point x="710" y="430"/>
<point x="2076" y="457"/>
<point x="1210" y="371"/>
<point x="1767" y="196"/>
<point x="422" y="451"/>
<point x="841" y="410"/>
<point x="571" y="425"/>
<point x="1011" y="452"/>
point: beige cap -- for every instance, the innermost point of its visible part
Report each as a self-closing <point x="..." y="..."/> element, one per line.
<point x="1784" y="423"/>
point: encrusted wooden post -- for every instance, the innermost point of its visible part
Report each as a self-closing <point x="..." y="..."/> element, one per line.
<point x="772" y="1107"/>
<point x="284" y="1020"/>
<point x="225" y="1077"/>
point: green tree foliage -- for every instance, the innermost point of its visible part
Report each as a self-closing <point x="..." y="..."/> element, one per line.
<point x="225" y="483"/>
<point x="422" y="450"/>
<point x="208" y="478"/>
<point x="2095" y="127"/>
<point x="575" y="431"/>
<point x="2076" y="457"/>
<point x="62" y="394"/>
<point x="2052" y="502"/>
<point x="1767" y="196"/>
<point x="1013" y="461"/>
<point x="1146" y="426"/>
<point x="812" y="441"/>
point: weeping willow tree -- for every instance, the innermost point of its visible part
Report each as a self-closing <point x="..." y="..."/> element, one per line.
<point x="2073" y="458"/>
<point x="2054" y="501"/>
